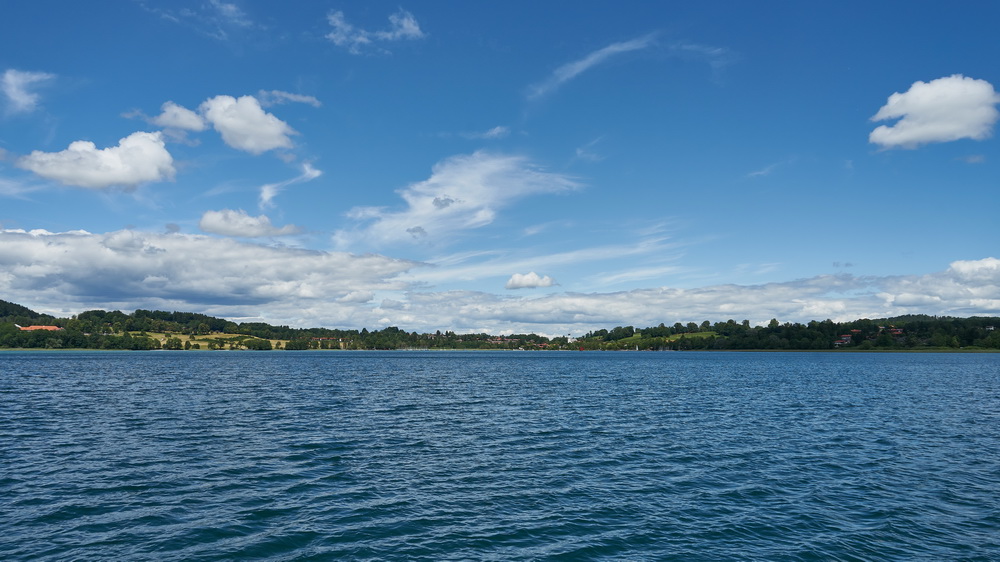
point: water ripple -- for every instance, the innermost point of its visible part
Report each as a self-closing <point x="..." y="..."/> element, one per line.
<point x="499" y="456"/>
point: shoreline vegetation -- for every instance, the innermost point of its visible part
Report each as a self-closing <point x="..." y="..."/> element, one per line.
<point x="22" y="328"/>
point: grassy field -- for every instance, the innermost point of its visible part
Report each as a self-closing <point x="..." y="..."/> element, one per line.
<point x="204" y="340"/>
<point x="636" y="339"/>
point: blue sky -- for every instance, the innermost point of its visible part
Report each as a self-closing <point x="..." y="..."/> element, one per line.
<point x="500" y="166"/>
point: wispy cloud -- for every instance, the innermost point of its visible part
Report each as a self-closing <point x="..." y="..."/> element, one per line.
<point x="464" y="192"/>
<point x="633" y="275"/>
<point x="215" y="19"/>
<point x="473" y="266"/>
<point x="402" y="25"/>
<point x="497" y="132"/>
<point x="269" y="191"/>
<point x="15" y="189"/>
<point x="568" y="71"/>
<point x="765" y="171"/>
<point x="230" y="13"/>
<point x="718" y="58"/>
<point x="773" y="167"/>
<point x="587" y="152"/>
<point x="17" y="86"/>
<point x="277" y="97"/>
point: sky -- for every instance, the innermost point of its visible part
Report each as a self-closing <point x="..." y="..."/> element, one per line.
<point x="500" y="167"/>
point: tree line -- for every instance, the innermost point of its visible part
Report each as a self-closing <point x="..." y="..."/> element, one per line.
<point x="99" y="329"/>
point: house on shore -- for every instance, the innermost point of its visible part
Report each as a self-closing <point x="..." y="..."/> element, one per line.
<point x="35" y="328"/>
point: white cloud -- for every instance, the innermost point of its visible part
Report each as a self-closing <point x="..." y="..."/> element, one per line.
<point x="966" y="288"/>
<point x="139" y="158"/>
<point x="70" y="272"/>
<point x="718" y="58"/>
<point x="981" y="270"/>
<point x="76" y="271"/>
<point x="567" y="72"/>
<point x="15" y="189"/>
<point x="174" y="116"/>
<point x="359" y="297"/>
<point x="586" y="152"/>
<point x="231" y="14"/>
<point x="402" y="25"/>
<point x="765" y="171"/>
<point x="214" y="18"/>
<point x="463" y="192"/>
<point x="345" y="34"/>
<point x="244" y="125"/>
<point x="947" y="109"/>
<point x="472" y="266"/>
<point x="269" y="191"/>
<point x="229" y="222"/>
<point x="632" y="275"/>
<point x="16" y="86"/>
<point x="529" y="280"/>
<point x="497" y="132"/>
<point x="268" y="98"/>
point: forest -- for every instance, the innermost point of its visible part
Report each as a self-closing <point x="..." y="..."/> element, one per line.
<point x="151" y="329"/>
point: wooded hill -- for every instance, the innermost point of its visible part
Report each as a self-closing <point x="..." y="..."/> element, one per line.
<point x="99" y="329"/>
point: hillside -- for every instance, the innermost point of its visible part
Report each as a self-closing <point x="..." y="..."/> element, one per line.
<point x="151" y="329"/>
<point x="11" y="312"/>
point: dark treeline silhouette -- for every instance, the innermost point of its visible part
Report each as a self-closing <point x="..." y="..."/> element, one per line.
<point x="99" y="329"/>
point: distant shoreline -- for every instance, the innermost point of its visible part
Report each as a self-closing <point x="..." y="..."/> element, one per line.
<point x="471" y="350"/>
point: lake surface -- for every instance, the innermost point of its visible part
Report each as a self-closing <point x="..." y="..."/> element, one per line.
<point x="499" y="456"/>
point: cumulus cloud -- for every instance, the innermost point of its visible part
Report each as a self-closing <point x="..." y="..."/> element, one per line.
<point x="402" y="25"/>
<point x="244" y="125"/>
<point x="75" y="271"/>
<point x="268" y="98"/>
<point x="139" y="158"/>
<point x="129" y="269"/>
<point x="16" y="86"/>
<point x="174" y="116"/>
<point x="242" y="122"/>
<point x="231" y="222"/>
<point x="947" y="109"/>
<point x="966" y="288"/>
<point x="529" y="280"/>
<point x="269" y="191"/>
<point x="463" y="192"/>
<point x="568" y="71"/>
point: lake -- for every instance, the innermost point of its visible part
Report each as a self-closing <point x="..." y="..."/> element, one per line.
<point x="499" y="456"/>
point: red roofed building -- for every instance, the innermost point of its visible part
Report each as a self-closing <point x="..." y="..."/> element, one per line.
<point x="33" y="328"/>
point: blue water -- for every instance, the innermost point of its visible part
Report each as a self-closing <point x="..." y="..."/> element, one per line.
<point x="499" y="456"/>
